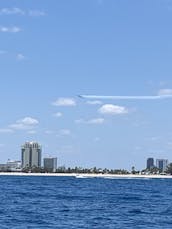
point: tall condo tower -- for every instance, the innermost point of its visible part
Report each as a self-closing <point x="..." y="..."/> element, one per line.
<point x="150" y="163"/>
<point x="31" y="155"/>
<point x="162" y="164"/>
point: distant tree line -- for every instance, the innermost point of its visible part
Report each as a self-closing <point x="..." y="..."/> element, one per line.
<point x="94" y="170"/>
<point x="63" y="169"/>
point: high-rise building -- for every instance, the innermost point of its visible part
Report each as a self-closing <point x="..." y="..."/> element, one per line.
<point x="161" y="164"/>
<point x="150" y="163"/>
<point x="50" y="164"/>
<point x="31" y="155"/>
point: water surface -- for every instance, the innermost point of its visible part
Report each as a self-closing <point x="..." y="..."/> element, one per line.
<point x="67" y="202"/>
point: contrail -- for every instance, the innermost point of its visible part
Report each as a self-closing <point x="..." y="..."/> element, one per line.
<point x="115" y="97"/>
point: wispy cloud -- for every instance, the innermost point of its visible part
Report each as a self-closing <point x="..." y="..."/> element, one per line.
<point x="58" y="115"/>
<point x="64" y="102"/>
<point x="20" y="56"/>
<point x="17" y="56"/>
<point x="26" y="123"/>
<point x="21" y="12"/>
<point x="36" y="13"/>
<point x="13" y="29"/>
<point x="11" y="11"/>
<point x="90" y="121"/>
<point x="112" y="109"/>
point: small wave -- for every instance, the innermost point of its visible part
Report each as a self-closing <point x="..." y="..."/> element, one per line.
<point x="136" y="211"/>
<point x="84" y="177"/>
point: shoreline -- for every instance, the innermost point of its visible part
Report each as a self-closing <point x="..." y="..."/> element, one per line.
<point x="84" y="175"/>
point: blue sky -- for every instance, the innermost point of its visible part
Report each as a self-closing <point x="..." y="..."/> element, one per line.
<point x="52" y="51"/>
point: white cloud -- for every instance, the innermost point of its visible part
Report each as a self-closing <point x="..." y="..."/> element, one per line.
<point x="165" y="91"/>
<point x="36" y="13"/>
<point x="13" y="29"/>
<point x="58" y="115"/>
<point x="112" y="109"/>
<point x="11" y="11"/>
<point x="26" y="123"/>
<point x="94" y="102"/>
<point x="20" y="56"/>
<point x="90" y="121"/>
<point x="64" y="102"/>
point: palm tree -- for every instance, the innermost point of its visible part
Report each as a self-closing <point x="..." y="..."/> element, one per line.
<point x="169" y="169"/>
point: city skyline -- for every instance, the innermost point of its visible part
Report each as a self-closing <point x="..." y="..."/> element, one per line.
<point x="31" y="157"/>
<point x="51" y="53"/>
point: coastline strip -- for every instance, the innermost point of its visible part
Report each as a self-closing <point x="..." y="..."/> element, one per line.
<point x="110" y="176"/>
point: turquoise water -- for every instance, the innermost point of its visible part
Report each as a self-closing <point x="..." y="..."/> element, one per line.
<point x="67" y="202"/>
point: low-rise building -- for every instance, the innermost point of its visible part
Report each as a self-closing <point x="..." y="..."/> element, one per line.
<point x="50" y="164"/>
<point x="3" y="167"/>
<point x="13" y="166"/>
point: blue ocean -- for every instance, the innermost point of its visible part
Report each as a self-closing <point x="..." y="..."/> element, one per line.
<point x="69" y="202"/>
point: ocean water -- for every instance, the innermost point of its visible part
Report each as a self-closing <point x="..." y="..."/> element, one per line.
<point x="68" y="202"/>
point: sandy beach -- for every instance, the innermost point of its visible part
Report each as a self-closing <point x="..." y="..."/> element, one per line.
<point x="110" y="176"/>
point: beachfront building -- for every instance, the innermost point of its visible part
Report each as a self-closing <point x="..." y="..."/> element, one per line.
<point x="13" y="166"/>
<point x="150" y="163"/>
<point x="3" y="167"/>
<point x="31" y="155"/>
<point x="161" y="164"/>
<point x="50" y="164"/>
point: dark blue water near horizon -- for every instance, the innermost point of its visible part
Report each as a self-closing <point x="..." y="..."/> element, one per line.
<point x="68" y="202"/>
